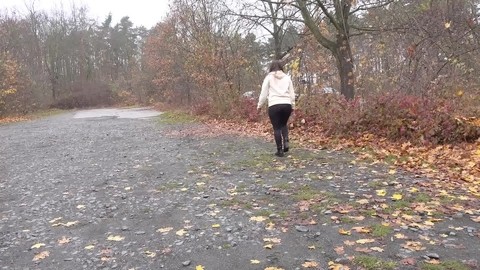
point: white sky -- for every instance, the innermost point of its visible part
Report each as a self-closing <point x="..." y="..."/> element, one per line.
<point x="141" y="12"/>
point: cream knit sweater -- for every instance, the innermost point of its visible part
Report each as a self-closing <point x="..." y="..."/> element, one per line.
<point x="278" y="88"/>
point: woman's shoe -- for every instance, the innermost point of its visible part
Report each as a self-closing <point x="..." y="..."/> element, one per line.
<point x="280" y="153"/>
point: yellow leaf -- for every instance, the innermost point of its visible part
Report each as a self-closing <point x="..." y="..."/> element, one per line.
<point x="181" y="232"/>
<point x="363" y="201"/>
<point x="381" y="192"/>
<point x="448" y="24"/>
<point x="150" y="254"/>
<point x="270" y="226"/>
<point x="272" y="240"/>
<point x="38" y="245"/>
<point x="365" y="241"/>
<point x="254" y="261"/>
<point x="258" y="219"/>
<point x="116" y="238"/>
<point x="392" y="172"/>
<point x="337" y="266"/>
<point x="40" y="256"/>
<point x="216" y="226"/>
<point x="199" y="267"/>
<point x="268" y="246"/>
<point x="413" y="190"/>
<point x="310" y="264"/>
<point x="400" y="236"/>
<point x="89" y="247"/>
<point x="80" y="206"/>
<point x="397" y="197"/>
<point x="165" y="230"/>
<point x="344" y="232"/>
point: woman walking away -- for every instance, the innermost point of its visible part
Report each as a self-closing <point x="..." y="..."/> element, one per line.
<point x="277" y="87"/>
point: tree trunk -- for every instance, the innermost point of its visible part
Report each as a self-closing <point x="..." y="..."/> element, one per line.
<point x="343" y="55"/>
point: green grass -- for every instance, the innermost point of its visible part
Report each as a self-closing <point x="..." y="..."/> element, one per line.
<point x="264" y="213"/>
<point x="176" y="117"/>
<point x="421" y="197"/>
<point x="381" y="231"/>
<point x="446" y="265"/>
<point x="305" y="193"/>
<point x="373" y="263"/>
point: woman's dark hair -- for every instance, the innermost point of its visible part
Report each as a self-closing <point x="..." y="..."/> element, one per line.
<point x="276" y="65"/>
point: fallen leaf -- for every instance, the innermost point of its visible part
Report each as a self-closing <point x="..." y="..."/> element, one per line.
<point x="55" y="220"/>
<point x="349" y="243"/>
<point x="254" y="261"/>
<point x="181" y="232"/>
<point x="216" y="226"/>
<point x="409" y="261"/>
<point x="311" y="247"/>
<point x="363" y="201"/>
<point x="344" y="232"/>
<point x="81" y="206"/>
<point x="40" y="256"/>
<point x="199" y="267"/>
<point x="165" y="230"/>
<point x="272" y="240"/>
<point x="397" y="197"/>
<point x="448" y="24"/>
<point x="128" y="188"/>
<point x="476" y="219"/>
<point x="258" y="219"/>
<point x="337" y="266"/>
<point x="38" y="245"/>
<point x="433" y="261"/>
<point x="363" y="249"/>
<point x="273" y="268"/>
<point x="381" y="192"/>
<point x="365" y="241"/>
<point x="150" y="254"/>
<point x="268" y="246"/>
<point x="361" y="229"/>
<point x="377" y="249"/>
<point x="400" y="236"/>
<point x="339" y="250"/>
<point x="310" y="264"/>
<point x="413" y="246"/>
<point x="64" y="240"/>
<point x="89" y="247"/>
<point x="116" y="238"/>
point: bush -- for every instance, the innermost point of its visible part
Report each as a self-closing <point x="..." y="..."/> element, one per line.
<point x="86" y="94"/>
<point x="395" y="116"/>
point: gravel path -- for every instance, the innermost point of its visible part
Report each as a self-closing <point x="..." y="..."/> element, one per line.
<point x="121" y="193"/>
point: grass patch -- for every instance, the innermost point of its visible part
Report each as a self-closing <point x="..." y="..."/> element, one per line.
<point x="381" y="231"/>
<point x="305" y="193"/>
<point x="264" y="213"/>
<point x="373" y="263"/>
<point x="446" y="265"/>
<point x="421" y="197"/>
<point x="176" y="117"/>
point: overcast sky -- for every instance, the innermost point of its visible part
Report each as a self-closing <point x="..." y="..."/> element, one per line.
<point x="141" y="12"/>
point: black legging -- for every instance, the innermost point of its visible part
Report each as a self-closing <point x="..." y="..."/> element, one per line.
<point x="279" y="115"/>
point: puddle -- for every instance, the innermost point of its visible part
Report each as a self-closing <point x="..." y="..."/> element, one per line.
<point x="131" y="113"/>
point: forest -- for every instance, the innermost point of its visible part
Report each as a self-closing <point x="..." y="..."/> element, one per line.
<point x="398" y="69"/>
